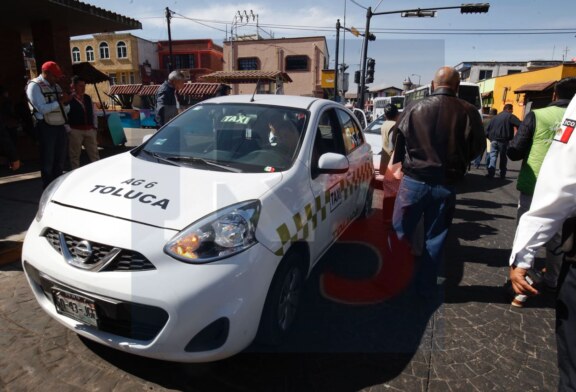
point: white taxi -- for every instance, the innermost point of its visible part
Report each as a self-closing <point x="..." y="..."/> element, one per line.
<point x="198" y="241"/>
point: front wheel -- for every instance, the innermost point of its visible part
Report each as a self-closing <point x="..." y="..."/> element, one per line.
<point x="282" y="301"/>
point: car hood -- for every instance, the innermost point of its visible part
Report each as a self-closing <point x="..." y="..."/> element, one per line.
<point x="158" y="194"/>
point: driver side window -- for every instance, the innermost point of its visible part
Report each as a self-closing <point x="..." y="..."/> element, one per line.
<point x="328" y="139"/>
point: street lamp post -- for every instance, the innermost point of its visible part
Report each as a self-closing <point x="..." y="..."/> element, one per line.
<point x="415" y="12"/>
<point x="418" y="78"/>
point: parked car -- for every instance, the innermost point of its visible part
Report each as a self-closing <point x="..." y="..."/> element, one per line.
<point x="195" y="243"/>
<point x="374" y="138"/>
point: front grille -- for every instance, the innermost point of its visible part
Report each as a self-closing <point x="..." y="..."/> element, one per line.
<point x="103" y="257"/>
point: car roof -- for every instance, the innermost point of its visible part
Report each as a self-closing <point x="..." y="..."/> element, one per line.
<point x="268" y="99"/>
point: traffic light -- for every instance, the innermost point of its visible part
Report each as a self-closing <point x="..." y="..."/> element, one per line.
<point x="473" y="8"/>
<point x="370" y="70"/>
<point x="357" y="77"/>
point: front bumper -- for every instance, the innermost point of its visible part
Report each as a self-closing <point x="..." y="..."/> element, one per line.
<point x="163" y="309"/>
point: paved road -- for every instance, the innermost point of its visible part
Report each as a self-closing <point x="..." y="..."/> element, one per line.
<point x="472" y="341"/>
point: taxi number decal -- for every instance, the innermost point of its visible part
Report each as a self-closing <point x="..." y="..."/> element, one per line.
<point x="145" y="198"/>
<point x="336" y="196"/>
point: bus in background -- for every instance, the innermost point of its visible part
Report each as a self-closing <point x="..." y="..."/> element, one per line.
<point x="380" y="102"/>
<point x="467" y="91"/>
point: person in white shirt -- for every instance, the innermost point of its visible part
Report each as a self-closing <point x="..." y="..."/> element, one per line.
<point x="553" y="206"/>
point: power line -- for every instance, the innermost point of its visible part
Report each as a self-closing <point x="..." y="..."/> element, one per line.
<point x="397" y="31"/>
<point x="196" y="21"/>
<point x="359" y="5"/>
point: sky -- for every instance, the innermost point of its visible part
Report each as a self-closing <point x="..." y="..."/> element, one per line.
<point x="512" y="30"/>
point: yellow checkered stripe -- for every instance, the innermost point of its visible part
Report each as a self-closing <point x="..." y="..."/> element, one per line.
<point x="305" y="221"/>
<point x="363" y="174"/>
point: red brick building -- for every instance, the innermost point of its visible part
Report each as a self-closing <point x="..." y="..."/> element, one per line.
<point x="196" y="56"/>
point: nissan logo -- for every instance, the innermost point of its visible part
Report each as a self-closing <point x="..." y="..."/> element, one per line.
<point x="82" y="251"/>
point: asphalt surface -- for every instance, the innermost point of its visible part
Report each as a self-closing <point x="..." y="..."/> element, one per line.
<point x="376" y="335"/>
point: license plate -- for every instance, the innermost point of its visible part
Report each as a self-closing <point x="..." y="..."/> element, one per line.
<point x="75" y="306"/>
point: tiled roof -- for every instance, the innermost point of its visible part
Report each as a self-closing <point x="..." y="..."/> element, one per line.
<point x="194" y="90"/>
<point x="198" y="90"/>
<point x="149" y="89"/>
<point x="99" y="12"/>
<point x="128" y="89"/>
<point x="245" y="76"/>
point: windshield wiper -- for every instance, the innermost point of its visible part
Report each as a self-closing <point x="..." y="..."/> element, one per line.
<point x="203" y="162"/>
<point x="160" y="158"/>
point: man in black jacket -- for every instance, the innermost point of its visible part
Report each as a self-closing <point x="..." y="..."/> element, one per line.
<point x="500" y="131"/>
<point x="437" y="138"/>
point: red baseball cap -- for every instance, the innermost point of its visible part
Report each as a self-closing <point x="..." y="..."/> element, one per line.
<point x="53" y="68"/>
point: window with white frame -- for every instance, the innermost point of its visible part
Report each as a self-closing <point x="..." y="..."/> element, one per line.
<point x="104" y="51"/>
<point x="89" y="54"/>
<point x="75" y="55"/>
<point x="121" y="50"/>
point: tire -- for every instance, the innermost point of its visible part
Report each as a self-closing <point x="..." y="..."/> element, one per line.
<point x="282" y="301"/>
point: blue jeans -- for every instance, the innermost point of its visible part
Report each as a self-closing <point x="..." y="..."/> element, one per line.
<point x="498" y="147"/>
<point x="53" y="149"/>
<point x="436" y="203"/>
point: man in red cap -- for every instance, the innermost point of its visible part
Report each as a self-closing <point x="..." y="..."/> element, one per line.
<point x="49" y="108"/>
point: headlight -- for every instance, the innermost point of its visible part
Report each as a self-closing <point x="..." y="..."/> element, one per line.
<point x="47" y="195"/>
<point x="221" y="234"/>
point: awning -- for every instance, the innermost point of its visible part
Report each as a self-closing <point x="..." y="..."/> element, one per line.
<point x="199" y="90"/>
<point x="90" y="74"/>
<point x="79" y="18"/>
<point x="535" y="87"/>
<point x="193" y="90"/>
<point x="487" y="94"/>
<point x="232" y="77"/>
<point x="148" y="90"/>
<point x="124" y="89"/>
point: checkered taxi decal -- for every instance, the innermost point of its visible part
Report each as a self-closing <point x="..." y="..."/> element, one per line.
<point x="303" y="222"/>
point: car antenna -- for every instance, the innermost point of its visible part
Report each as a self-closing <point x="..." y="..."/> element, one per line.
<point x="256" y="89"/>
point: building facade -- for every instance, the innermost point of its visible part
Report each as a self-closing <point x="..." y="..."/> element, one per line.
<point x="119" y="55"/>
<point x="303" y="59"/>
<point x="476" y="71"/>
<point x="526" y="91"/>
<point x="196" y="57"/>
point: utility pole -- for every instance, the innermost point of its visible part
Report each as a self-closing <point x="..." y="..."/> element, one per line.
<point x="170" y="58"/>
<point x="361" y="99"/>
<point x="336" y="95"/>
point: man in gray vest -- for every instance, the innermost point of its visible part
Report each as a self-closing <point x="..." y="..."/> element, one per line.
<point x="49" y="106"/>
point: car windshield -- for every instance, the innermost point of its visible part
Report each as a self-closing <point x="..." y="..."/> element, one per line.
<point x="230" y="137"/>
<point x="375" y="126"/>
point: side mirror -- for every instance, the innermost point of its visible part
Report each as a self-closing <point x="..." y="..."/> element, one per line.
<point x="332" y="163"/>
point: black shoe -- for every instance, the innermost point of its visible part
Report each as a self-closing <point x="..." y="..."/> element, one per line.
<point x="489" y="175"/>
<point x="502" y="176"/>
